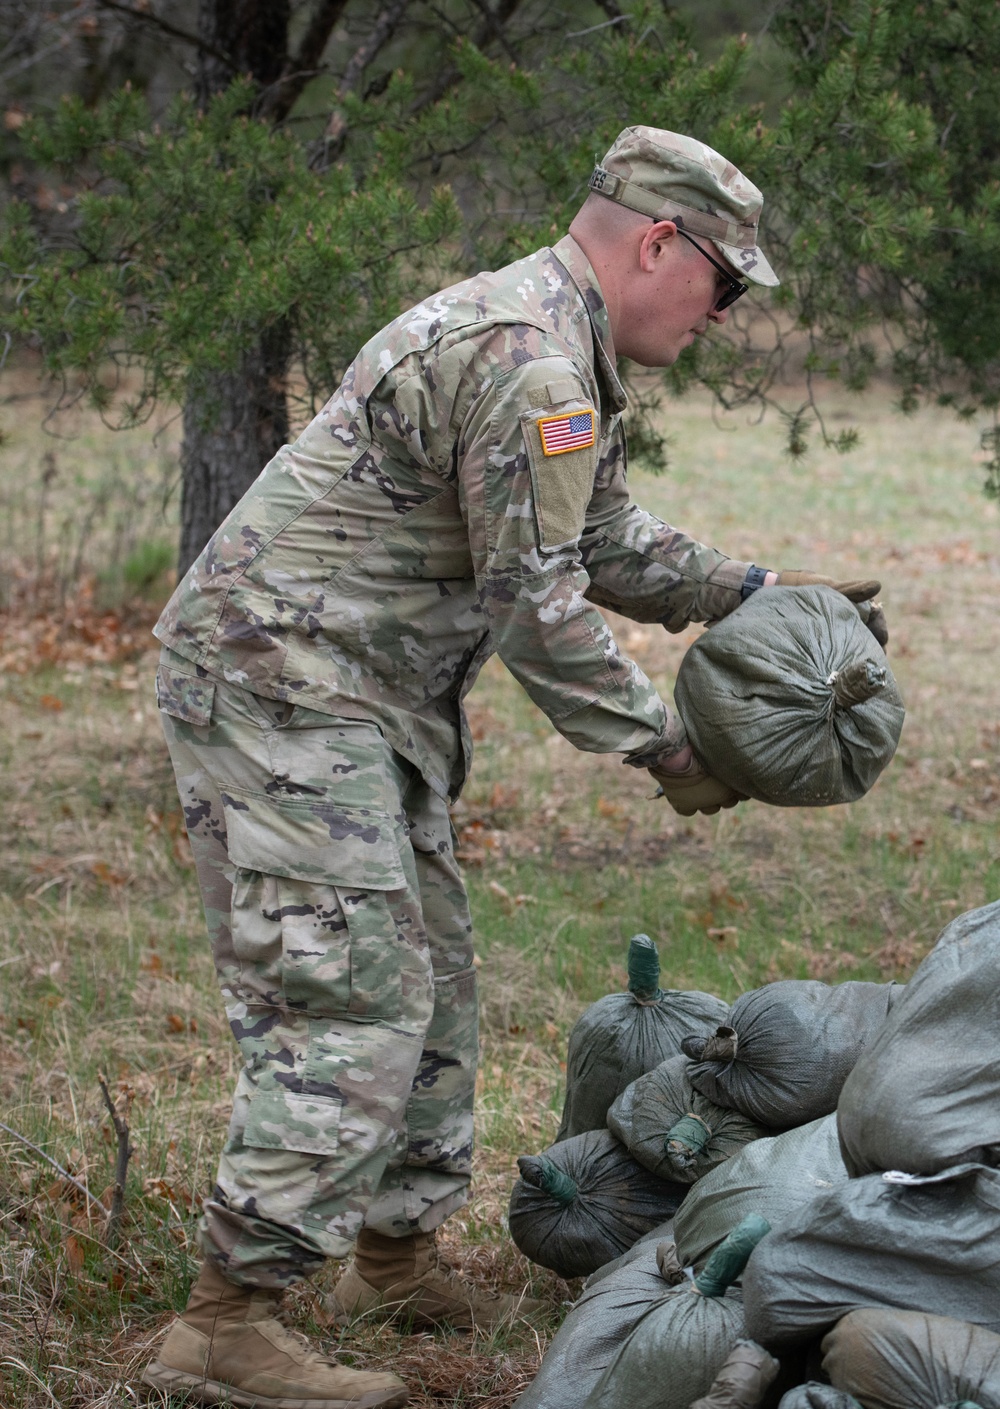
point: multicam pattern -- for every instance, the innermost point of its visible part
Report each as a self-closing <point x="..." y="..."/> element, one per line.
<point x="415" y="527"/>
<point x="319" y="652"/>
<point x="342" y="941"/>
<point x="669" y="176"/>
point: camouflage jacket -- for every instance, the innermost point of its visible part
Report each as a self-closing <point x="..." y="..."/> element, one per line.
<point x="462" y="492"/>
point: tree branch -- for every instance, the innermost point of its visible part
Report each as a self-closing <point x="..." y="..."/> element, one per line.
<point x="604" y="24"/>
<point x="119" y="1113"/>
<point x="378" y="36"/>
<point x="57" y="1167"/>
<point x="166" y="27"/>
<point x="305" y="64"/>
<point x="493" y="25"/>
<point x="449" y="76"/>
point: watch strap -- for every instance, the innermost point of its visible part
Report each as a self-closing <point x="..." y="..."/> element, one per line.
<point x="754" y="579"/>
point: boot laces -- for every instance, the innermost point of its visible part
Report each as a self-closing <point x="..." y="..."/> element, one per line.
<point x="300" y="1341"/>
<point x="456" y="1282"/>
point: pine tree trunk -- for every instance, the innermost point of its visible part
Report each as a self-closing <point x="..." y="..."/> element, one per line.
<point x="234" y="422"/>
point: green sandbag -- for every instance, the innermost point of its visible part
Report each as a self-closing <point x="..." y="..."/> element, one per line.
<point x="773" y="1177"/>
<point x="890" y="1240"/>
<point x="612" y="1302"/>
<point x="784" y="1051"/>
<point x="912" y="1360"/>
<point x="790" y="699"/>
<point x="674" y="1131"/>
<point x="625" y="1034"/>
<point x="680" y="1344"/>
<point x="925" y="1094"/>
<point x="584" y="1202"/>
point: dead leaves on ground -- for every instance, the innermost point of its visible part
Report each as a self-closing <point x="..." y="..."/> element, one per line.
<point x="77" y="633"/>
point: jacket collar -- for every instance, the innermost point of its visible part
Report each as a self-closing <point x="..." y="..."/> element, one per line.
<point x="577" y="265"/>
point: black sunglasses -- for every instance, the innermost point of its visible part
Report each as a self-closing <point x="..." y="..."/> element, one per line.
<point x="735" y="290"/>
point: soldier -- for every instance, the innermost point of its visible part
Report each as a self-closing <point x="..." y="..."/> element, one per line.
<point x="462" y="492"/>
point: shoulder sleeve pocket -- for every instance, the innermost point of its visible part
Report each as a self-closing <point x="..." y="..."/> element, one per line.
<point x="562" y="460"/>
<point x="313" y="840"/>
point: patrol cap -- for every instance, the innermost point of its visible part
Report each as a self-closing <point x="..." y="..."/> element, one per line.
<point x="668" y="176"/>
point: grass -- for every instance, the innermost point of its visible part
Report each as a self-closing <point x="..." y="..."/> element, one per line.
<point x="103" y="966"/>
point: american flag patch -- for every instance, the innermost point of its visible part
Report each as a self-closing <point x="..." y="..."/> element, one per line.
<point x="562" y="433"/>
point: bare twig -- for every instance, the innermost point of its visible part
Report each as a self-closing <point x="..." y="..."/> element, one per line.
<point x="64" y="1173"/>
<point x="605" y="24"/>
<point x="119" y="1112"/>
<point x="167" y="28"/>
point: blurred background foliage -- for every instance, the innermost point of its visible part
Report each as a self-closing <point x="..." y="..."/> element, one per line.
<point x="215" y="202"/>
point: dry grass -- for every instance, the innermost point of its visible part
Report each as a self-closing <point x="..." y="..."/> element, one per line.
<point x="103" y="966"/>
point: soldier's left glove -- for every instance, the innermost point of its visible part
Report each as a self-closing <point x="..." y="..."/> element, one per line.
<point x="694" y="790"/>
<point x="860" y="592"/>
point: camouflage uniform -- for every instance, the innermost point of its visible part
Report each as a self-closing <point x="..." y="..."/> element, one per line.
<point x="462" y="492"/>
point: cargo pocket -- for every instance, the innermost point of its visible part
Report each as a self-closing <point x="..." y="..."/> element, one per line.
<point x="312" y="922"/>
<point x="184" y="695"/>
<point x="285" y="1120"/>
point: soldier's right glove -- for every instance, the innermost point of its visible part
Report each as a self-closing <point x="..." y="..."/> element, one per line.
<point x="860" y="592"/>
<point x="694" y="790"/>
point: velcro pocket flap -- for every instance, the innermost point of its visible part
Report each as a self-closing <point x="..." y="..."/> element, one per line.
<point x="313" y="839"/>
<point x="289" y="1120"/>
<point x="185" y="696"/>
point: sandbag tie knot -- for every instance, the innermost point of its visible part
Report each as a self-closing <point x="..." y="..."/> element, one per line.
<point x="722" y="1046"/>
<point x="686" y="1138"/>
<point x="856" y="683"/>
<point x="540" y="1172"/>
<point x="726" y="1264"/>
<point x="643" y="969"/>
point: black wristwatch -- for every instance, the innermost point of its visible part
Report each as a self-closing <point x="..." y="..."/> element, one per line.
<point x="754" y="579"/>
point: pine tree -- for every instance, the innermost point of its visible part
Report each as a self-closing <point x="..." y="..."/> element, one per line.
<point x="336" y="161"/>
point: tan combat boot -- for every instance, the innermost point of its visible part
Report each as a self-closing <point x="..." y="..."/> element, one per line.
<point x="228" y="1347"/>
<point x="407" y="1280"/>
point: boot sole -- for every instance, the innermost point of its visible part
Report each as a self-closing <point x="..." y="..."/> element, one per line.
<point x="205" y="1391"/>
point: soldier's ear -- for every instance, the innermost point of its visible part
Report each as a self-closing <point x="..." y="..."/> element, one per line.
<point x="656" y="242"/>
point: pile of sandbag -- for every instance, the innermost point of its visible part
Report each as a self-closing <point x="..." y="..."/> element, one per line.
<point x="861" y="1124"/>
<point x="917" y="1225"/>
<point x="775" y="1060"/>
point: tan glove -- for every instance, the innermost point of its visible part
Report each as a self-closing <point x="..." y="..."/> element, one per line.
<point x="860" y="592"/>
<point x="693" y="790"/>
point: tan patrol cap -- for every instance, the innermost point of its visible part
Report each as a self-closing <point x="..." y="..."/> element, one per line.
<point x="671" y="177"/>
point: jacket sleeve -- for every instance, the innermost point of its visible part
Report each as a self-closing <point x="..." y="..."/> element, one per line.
<point x="641" y="567"/>
<point x="524" y="499"/>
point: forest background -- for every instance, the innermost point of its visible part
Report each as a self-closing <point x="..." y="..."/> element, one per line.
<point x="207" y="207"/>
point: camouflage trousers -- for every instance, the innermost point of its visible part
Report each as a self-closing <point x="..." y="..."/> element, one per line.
<point x="342" y="941"/>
